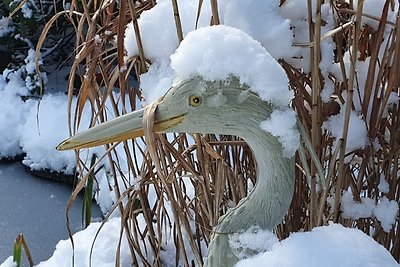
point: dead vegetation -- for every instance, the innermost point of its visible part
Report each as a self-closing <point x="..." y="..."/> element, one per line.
<point x="197" y="178"/>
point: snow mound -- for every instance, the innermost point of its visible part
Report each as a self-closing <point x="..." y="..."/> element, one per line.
<point x="328" y="246"/>
<point x="103" y="249"/>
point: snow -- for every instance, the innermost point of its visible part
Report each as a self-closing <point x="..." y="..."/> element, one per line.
<point x="357" y="131"/>
<point x="108" y="237"/>
<point x="385" y="211"/>
<point x="5" y="26"/>
<point x="164" y="32"/>
<point x="328" y="90"/>
<point x="374" y="9"/>
<point x="13" y="110"/>
<point x="260" y="19"/>
<point x="217" y="52"/>
<point x="383" y="184"/>
<point x="332" y="245"/>
<point x="282" y="124"/>
<point x="253" y="239"/>
<point x="9" y="262"/>
<point x="41" y="134"/>
<point x="263" y="21"/>
<point x="329" y="246"/>
<point x="262" y="26"/>
<point x="156" y="81"/>
<point x="356" y="210"/>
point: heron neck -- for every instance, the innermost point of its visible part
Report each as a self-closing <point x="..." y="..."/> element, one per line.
<point x="270" y="199"/>
<point x="273" y="192"/>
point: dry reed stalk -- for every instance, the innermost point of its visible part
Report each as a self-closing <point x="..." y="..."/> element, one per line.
<point x="349" y="101"/>
<point x="178" y="24"/>
<point x="315" y="28"/>
<point x="214" y="11"/>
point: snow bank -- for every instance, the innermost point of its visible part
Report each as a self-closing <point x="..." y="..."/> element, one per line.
<point x="104" y="249"/>
<point x="328" y="246"/>
<point x="13" y="112"/>
<point x="45" y="126"/>
<point x="43" y="129"/>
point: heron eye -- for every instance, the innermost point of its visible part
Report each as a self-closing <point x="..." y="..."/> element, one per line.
<point x="194" y="101"/>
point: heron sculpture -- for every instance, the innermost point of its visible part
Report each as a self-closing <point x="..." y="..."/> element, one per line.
<point x="219" y="107"/>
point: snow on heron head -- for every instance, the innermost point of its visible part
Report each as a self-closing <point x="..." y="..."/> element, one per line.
<point x="218" y="52"/>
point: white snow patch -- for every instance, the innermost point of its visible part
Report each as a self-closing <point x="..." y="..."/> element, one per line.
<point x="253" y="239"/>
<point x="383" y="184"/>
<point x="356" y="210"/>
<point x="6" y="26"/>
<point x="386" y="212"/>
<point x="156" y="81"/>
<point x="158" y="31"/>
<point x="282" y="124"/>
<point x="263" y="21"/>
<point x="357" y="132"/>
<point x="329" y="89"/>
<point x="26" y="10"/>
<point x="374" y="9"/>
<point x="9" y="262"/>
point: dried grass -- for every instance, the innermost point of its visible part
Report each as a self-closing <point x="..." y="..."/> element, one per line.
<point x="220" y="169"/>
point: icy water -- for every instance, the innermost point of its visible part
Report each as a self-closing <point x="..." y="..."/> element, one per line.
<point x="36" y="208"/>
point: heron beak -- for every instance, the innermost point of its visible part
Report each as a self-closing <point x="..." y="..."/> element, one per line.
<point x="122" y="128"/>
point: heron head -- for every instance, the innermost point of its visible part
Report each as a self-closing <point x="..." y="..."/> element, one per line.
<point x="192" y="106"/>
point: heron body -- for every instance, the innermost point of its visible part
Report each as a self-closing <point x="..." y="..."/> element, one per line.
<point x="220" y="107"/>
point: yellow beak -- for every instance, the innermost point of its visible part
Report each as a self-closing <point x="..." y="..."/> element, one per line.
<point x="125" y="127"/>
